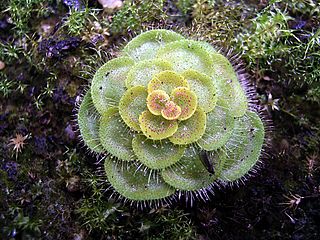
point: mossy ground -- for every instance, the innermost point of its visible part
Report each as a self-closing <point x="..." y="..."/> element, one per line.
<point x="49" y="190"/>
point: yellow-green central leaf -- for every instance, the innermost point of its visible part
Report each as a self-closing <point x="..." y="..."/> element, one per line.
<point x="132" y="104"/>
<point x="156" y="127"/>
<point x="156" y="101"/>
<point x="186" y="100"/>
<point x="167" y="81"/>
<point x="191" y="129"/>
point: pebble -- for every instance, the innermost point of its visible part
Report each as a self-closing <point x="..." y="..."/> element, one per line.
<point x="111" y="4"/>
<point x="2" y="65"/>
<point x="73" y="184"/>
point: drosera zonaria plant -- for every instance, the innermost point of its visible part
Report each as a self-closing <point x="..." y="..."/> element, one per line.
<point x="172" y="117"/>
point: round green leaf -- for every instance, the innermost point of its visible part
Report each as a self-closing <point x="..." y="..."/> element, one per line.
<point x="156" y="154"/>
<point x="230" y="91"/>
<point x="204" y="88"/>
<point x="143" y="72"/>
<point x="189" y="173"/>
<point x="136" y="184"/>
<point x="108" y="84"/>
<point x="167" y="81"/>
<point x="191" y="129"/>
<point x="89" y="120"/>
<point x="244" y="147"/>
<point x="241" y="99"/>
<point x="220" y="124"/>
<point x="145" y="45"/>
<point x="115" y="136"/>
<point x="185" y="55"/>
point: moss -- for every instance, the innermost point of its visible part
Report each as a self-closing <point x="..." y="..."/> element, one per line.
<point x="221" y="22"/>
<point x="266" y="35"/>
<point x="23" y="12"/>
<point x="185" y="6"/>
<point x="135" y="13"/>
<point x="79" y="21"/>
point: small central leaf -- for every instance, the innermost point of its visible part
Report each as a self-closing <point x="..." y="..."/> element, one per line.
<point x="186" y="100"/>
<point x="132" y="103"/>
<point x="156" y="127"/>
<point x="171" y="111"/>
<point x="156" y="101"/>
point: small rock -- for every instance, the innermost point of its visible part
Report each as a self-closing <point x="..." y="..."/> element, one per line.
<point x="40" y="145"/>
<point x="73" y="184"/>
<point x="2" y="65"/>
<point x="11" y="168"/>
<point x="76" y="4"/>
<point x="111" y="4"/>
<point x="80" y="236"/>
<point x="3" y="23"/>
<point x="58" y="48"/>
<point x="69" y="131"/>
<point x="47" y="26"/>
<point x="284" y="146"/>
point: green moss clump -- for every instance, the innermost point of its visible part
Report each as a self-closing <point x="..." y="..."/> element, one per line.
<point x="134" y="13"/>
<point x="22" y="12"/>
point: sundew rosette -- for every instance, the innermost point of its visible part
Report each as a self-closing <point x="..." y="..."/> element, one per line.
<point x="171" y="117"/>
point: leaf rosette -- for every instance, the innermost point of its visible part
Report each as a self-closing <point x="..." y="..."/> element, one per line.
<point x="155" y="109"/>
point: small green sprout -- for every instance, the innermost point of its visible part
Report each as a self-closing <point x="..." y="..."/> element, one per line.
<point x="171" y="116"/>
